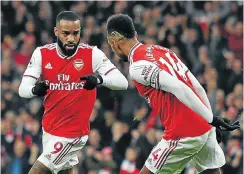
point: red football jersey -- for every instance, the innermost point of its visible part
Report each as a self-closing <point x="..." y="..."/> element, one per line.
<point x="178" y="119"/>
<point x="67" y="105"/>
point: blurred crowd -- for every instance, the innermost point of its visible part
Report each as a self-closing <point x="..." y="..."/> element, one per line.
<point x="207" y="36"/>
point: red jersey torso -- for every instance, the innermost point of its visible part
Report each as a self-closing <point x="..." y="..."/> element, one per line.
<point x="67" y="105"/>
<point x="177" y="118"/>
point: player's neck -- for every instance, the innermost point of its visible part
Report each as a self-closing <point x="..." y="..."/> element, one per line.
<point x="60" y="51"/>
<point x="129" y="45"/>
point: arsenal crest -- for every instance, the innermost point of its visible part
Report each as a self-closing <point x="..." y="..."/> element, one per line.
<point x="78" y="64"/>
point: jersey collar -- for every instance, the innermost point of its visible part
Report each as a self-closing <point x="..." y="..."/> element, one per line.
<point x="132" y="50"/>
<point x="62" y="55"/>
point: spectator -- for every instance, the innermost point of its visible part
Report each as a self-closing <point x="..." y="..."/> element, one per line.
<point x="207" y="36"/>
<point x="121" y="140"/>
<point x="95" y="139"/>
<point x="108" y="165"/>
<point x="20" y="164"/>
<point x="128" y="165"/>
<point x="144" y="144"/>
<point x="234" y="155"/>
<point x="236" y="75"/>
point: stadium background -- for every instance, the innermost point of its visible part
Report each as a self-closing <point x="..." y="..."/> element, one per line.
<point x="207" y="36"/>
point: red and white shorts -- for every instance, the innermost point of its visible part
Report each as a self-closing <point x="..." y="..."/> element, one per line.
<point x="171" y="156"/>
<point x="60" y="153"/>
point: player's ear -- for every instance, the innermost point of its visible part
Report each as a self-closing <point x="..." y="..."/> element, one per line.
<point x="56" y="31"/>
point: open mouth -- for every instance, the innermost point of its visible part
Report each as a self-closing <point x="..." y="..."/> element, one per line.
<point x="70" y="46"/>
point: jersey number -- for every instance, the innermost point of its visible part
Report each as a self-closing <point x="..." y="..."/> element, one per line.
<point x="179" y="67"/>
<point x="155" y="154"/>
<point x="57" y="147"/>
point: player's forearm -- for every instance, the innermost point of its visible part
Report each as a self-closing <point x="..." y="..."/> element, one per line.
<point x="184" y="94"/>
<point x="199" y="90"/>
<point x="25" y="88"/>
<point x="115" y="80"/>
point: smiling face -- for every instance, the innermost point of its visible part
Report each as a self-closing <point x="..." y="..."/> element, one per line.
<point x="68" y="36"/>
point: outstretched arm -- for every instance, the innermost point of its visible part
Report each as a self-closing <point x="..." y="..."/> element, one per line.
<point x="112" y="77"/>
<point x="160" y="79"/>
<point x="199" y="89"/>
<point x="115" y="80"/>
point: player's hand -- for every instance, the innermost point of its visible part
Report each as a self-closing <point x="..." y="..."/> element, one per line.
<point x="224" y="124"/>
<point x="40" y="89"/>
<point x="92" y="81"/>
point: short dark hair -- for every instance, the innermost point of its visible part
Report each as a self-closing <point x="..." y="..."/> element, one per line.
<point x="67" y="15"/>
<point x="121" y="23"/>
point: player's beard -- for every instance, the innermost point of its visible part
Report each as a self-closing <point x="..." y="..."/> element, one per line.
<point x="65" y="51"/>
<point x="123" y="57"/>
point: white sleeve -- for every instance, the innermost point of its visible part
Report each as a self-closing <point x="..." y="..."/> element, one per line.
<point x="112" y="77"/>
<point x="34" y="68"/>
<point x="31" y="75"/>
<point x="149" y="74"/>
<point x="199" y="89"/>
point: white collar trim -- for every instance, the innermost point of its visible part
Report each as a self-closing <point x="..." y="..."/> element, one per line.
<point x="62" y="55"/>
<point x="132" y="50"/>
